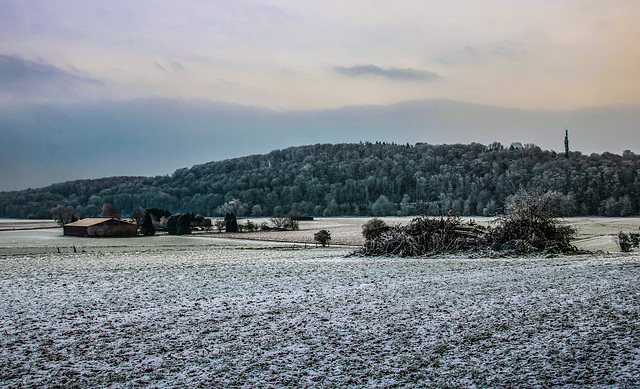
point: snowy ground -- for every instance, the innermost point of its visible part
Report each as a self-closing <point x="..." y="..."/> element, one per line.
<point x="215" y="313"/>
<point x="194" y="311"/>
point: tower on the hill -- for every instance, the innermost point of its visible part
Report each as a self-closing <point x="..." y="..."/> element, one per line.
<point x="566" y="143"/>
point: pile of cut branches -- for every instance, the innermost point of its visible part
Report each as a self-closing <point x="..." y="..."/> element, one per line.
<point x="422" y="236"/>
<point x="529" y="226"/>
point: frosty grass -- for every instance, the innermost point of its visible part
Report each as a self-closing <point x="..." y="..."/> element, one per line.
<point x="240" y="316"/>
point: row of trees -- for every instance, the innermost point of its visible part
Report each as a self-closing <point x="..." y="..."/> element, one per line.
<point x="154" y="219"/>
<point x="375" y="179"/>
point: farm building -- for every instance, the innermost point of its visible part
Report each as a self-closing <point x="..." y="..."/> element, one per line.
<point x="101" y="227"/>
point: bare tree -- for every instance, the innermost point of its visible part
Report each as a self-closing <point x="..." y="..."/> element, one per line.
<point x="278" y="221"/>
<point x="137" y="216"/>
<point x="63" y="215"/>
<point x="282" y="222"/>
<point x="234" y="206"/>
<point x="219" y="224"/>
<point x="110" y="210"/>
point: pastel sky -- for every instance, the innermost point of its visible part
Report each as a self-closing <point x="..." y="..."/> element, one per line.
<point x="287" y="54"/>
<point x="231" y="78"/>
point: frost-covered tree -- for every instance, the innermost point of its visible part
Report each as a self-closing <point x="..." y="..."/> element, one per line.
<point x="333" y="209"/>
<point x="383" y="207"/>
<point x="405" y="205"/>
<point x="234" y="206"/>
<point x="626" y="206"/>
<point x="348" y="179"/>
<point x="256" y="210"/>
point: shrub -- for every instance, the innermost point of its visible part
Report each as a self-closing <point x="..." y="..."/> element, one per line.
<point x="197" y="220"/>
<point x="184" y="224"/>
<point x="292" y="224"/>
<point x="250" y="226"/>
<point x="219" y="224"/>
<point x="278" y="221"/>
<point x="627" y="241"/>
<point x="179" y="224"/>
<point x="282" y="222"/>
<point x="323" y="237"/>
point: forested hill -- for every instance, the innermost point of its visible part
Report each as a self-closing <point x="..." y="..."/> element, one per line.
<point x="359" y="179"/>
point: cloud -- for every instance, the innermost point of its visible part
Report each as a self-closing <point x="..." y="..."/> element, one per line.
<point x="177" y="66"/>
<point x="15" y="70"/>
<point x="400" y="74"/>
<point x="21" y="78"/>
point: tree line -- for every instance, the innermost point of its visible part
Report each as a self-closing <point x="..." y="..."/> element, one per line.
<point x="363" y="179"/>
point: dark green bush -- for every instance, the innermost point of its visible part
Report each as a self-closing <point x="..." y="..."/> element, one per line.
<point x="147" y="227"/>
<point x="323" y="237"/>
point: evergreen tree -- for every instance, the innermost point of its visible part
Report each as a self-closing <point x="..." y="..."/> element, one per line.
<point x="183" y="226"/>
<point x="147" y="225"/>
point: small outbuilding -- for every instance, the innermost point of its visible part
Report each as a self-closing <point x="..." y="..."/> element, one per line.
<point x="101" y="227"/>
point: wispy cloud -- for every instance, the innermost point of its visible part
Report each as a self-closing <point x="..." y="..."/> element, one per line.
<point x="177" y="66"/>
<point x="401" y="74"/>
<point x="20" y="78"/>
<point x="15" y="70"/>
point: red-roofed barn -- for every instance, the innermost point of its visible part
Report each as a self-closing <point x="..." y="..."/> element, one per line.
<point x="101" y="227"/>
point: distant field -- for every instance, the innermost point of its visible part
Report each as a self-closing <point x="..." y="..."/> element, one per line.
<point x="21" y="224"/>
<point x="42" y="236"/>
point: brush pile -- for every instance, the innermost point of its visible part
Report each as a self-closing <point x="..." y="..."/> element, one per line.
<point x="529" y="226"/>
<point x="422" y="236"/>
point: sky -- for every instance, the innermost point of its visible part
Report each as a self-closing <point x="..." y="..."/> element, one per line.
<point x="70" y="69"/>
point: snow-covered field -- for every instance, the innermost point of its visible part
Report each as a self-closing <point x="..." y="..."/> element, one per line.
<point x="215" y="312"/>
<point x="242" y="314"/>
